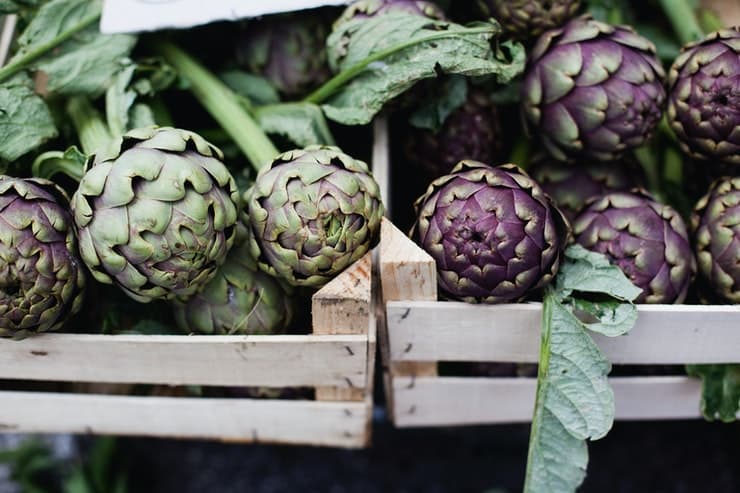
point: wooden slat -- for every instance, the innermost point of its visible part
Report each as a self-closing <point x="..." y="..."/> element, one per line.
<point x="381" y="161"/>
<point x="664" y="334"/>
<point x="450" y="401"/>
<point x="270" y="361"/>
<point x="244" y="420"/>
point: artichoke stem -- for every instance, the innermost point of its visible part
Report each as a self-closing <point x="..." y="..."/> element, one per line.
<point x="91" y="129"/>
<point x="683" y="19"/>
<point x="673" y="170"/>
<point x="223" y="105"/>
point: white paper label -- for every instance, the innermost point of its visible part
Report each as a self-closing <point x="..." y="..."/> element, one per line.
<point x="125" y="16"/>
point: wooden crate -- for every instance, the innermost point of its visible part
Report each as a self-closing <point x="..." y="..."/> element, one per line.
<point x="337" y="359"/>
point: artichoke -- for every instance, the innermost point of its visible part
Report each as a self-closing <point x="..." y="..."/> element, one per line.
<point x="493" y="233"/>
<point x="158" y="217"/>
<point x="313" y="212"/>
<point x="524" y="19"/>
<point x="370" y="8"/>
<point x="716" y="225"/>
<point x="704" y="97"/>
<point x="572" y="185"/>
<point x="592" y="91"/>
<point x="470" y="132"/>
<point x="647" y="240"/>
<point x="289" y="50"/>
<point x="240" y="299"/>
<point x="41" y="277"/>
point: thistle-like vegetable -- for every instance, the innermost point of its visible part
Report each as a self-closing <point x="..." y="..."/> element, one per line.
<point x="704" y="97"/>
<point x="157" y="217"/>
<point x="646" y="239"/>
<point x="528" y="18"/>
<point x="313" y="212"/>
<point x="716" y="225"/>
<point x="470" y="132"/>
<point x="42" y="279"/>
<point x="592" y="91"/>
<point x="371" y="8"/>
<point x="493" y="233"/>
<point x="289" y="50"/>
<point x="240" y="299"/>
<point x="572" y="185"/>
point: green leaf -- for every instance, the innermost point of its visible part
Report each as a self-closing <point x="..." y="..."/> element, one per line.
<point x="720" y="395"/>
<point x="609" y="317"/>
<point x="411" y="48"/>
<point x="256" y="89"/>
<point x="77" y="483"/>
<point x="591" y="272"/>
<point x="451" y="95"/>
<point x="84" y="64"/>
<point x="302" y="123"/>
<point x="16" y="6"/>
<point x="25" y="120"/>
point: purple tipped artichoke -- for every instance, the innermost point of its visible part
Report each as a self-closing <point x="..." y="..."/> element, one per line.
<point x="572" y="185"/>
<point x="704" y="97"/>
<point x="647" y="240"/>
<point x="313" y="212"/>
<point x="493" y="233"/>
<point x="370" y="8"/>
<point x="289" y="50"/>
<point x="716" y="224"/>
<point x="158" y="217"/>
<point x="473" y="132"/>
<point x="41" y="277"/>
<point x="592" y="91"/>
<point x="528" y="18"/>
<point x="241" y="299"/>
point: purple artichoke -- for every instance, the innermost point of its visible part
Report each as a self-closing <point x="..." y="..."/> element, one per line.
<point x="528" y="18"/>
<point x="473" y="132"/>
<point x="704" y="97"/>
<point x="289" y="50"/>
<point x="493" y="233"/>
<point x="592" y="91"/>
<point x="646" y="239"/>
<point x="716" y="224"/>
<point x="41" y="277"/>
<point x="370" y="8"/>
<point x="572" y="185"/>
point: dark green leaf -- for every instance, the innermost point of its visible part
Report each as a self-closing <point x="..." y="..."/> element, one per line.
<point x="449" y="96"/>
<point x="471" y="51"/>
<point x="302" y="123"/>
<point x="720" y="396"/>
<point x="25" y="120"/>
<point x="253" y="87"/>
<point x="15" y="6"/>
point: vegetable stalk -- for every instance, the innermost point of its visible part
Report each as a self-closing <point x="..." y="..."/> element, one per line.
<point x="683" y="19"/>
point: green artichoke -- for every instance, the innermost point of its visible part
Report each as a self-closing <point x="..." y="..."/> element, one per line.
<point x="716" y="225"/>
<point x="646" y="239"/>
<point x="240" y="299"/>
<point x="159" y="216"/>
<point x="41" y="277"/>
<point x="704" y="97"/>
<point x="592" y="91"/>
<point x="492" y="232"/>
<point x="524" y="19"/>
<point x="313" y="212"/>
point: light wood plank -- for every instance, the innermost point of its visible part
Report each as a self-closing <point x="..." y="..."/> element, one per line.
<point x="664" y="334"/>
<point x="343" y="305"/>
<point x="243" y="420"/>
<point x="6" y="36"/>
<point x="271" y="361"/>
<point x="450" y="401"/>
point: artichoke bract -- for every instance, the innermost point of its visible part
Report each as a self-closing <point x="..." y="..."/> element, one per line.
<point x="472" y="131"/>
<point x="527" y="18"/>
<point x="240" y="299"/>
<point x="289" y="50"/>
<point x="492" y="232"/>
<point x="592" y="90"/>
<point x="42" y="279"/>
<point x="313" y="212"/>
<point x="704" y="97"/>
<point x="370" y="8"/>
<point x="157" y="217"/>
<point x="716" y="225"/>
<point x="646" y="239"/>
<point x="572" y="185"/>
